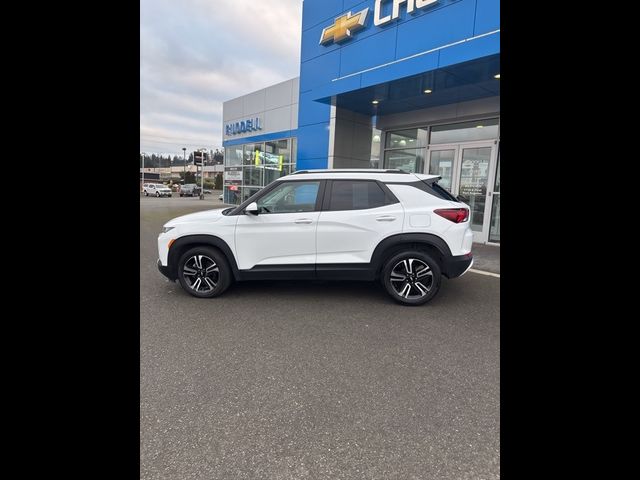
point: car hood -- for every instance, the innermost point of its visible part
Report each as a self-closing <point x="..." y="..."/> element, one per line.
<point x="206" y="216"/>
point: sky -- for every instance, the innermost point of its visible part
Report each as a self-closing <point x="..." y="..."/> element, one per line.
<point x="196" y="54"/>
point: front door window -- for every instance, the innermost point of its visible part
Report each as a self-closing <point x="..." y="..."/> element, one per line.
<point x="290" y="197"/>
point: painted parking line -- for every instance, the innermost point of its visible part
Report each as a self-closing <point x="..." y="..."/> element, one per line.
<point x="482" y="272"/>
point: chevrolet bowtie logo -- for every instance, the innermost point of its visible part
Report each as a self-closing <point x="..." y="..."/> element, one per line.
<point x="343" y="27"/>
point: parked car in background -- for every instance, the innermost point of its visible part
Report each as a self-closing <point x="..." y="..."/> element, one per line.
<point x="189" y="190"/>
<point x="156" y="189"/>
<point x="221" y="197"/>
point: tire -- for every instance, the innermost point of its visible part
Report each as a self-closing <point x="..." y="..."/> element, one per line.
<point x="208" y="259"/>
<point x="169" y="195"/>
<point x="420" y="287"/>
<point x="158" y="194"/>
<point x="180" y="194"/>
<point x="146" y="194"/>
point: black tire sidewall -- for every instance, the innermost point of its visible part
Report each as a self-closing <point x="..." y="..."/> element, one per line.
<point x="393" y="260"/>
<point x="223" y="267"/>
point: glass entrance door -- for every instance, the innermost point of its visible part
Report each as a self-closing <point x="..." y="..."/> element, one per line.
<point x="494" y="231"/>
<point x="441" y="162"/>
<point x="466" y="170"/>
<point x="474" y="179"/>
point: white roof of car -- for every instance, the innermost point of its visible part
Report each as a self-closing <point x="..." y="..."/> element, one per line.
<point x="384" y="175"/>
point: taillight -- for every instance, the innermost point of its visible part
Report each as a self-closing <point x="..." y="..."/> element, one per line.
<point x="456" y="215"/>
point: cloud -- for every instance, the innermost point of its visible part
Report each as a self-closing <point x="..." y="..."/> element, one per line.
<point x="196" y="54"/>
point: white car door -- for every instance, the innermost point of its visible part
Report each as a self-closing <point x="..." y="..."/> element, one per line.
<point x="356" y="216"/>
<point x="284" y="230"/>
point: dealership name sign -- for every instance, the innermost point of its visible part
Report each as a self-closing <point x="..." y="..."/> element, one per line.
<point x="244" y="126"/>
<point x="345" y="25"/>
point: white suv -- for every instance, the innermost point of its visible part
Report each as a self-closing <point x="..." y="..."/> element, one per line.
<point x="156" y="189"/>
<point x="398" y="227"/>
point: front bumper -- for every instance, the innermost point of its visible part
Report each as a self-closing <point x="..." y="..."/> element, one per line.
<point x="457" y="266"/>
<point x="165" y="271"/>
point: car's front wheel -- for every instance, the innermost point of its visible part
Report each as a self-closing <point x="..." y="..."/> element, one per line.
<point x="146" y="194"/>
<point x="158" y="194"/>
<point x="412" y="277"/>
<point x="204" y="272"/>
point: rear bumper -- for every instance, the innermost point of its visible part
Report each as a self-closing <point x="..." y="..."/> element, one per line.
<point x="457" y="266"/>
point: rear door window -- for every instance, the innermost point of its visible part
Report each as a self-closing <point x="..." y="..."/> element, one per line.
<point x="356" y="195"/>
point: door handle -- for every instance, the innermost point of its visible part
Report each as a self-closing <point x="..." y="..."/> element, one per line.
<point x="303" y="221"/>
<point x="385" y="218"/>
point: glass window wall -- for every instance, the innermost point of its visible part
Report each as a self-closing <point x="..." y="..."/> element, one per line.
<point x="465" y="132"/>
<point x="252" y="166"/>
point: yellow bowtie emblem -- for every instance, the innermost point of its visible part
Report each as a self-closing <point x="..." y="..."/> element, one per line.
<point x="343" y="27"/>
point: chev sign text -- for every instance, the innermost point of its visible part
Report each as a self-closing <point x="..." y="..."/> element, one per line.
<point x="244" y="126"/>
<point x="395" y="11"/>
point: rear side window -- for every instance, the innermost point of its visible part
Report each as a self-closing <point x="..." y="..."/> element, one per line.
<point x="356" y="195"/>
<point x="442" y="193"/>
<point x="432" y="188"/>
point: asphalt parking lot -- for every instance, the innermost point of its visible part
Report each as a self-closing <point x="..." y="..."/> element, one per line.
<point x="313" y="380"/>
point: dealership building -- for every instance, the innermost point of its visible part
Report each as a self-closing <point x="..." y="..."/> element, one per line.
<point x="402" y="84"/>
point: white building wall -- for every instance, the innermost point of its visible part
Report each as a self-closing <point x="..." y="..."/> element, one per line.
<point x="276" y="107"/>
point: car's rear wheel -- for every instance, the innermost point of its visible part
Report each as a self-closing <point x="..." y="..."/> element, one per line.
<point x="157" y="194"/>
<point x="204" y="272"/>
<point x="412" y="277"/>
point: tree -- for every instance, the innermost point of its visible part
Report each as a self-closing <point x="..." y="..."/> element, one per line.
<point x="190" y="177"/>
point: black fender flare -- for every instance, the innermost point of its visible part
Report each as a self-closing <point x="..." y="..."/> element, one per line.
<point x="403" y="238"/>
<point x="181" y="242"/>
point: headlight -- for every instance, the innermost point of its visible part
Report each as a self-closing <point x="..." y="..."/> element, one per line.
<point x="166" y="229"/>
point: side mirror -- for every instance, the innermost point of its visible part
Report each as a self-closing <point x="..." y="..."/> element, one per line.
<point x="252" y="208"/>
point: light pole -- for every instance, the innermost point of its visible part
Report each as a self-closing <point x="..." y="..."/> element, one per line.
<point x="203" y="155"/>
<point x="184" y="165"/>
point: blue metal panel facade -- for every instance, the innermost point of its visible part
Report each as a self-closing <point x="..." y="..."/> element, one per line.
<point x="376" y="55"/>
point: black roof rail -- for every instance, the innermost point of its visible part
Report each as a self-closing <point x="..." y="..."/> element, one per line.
<point x="388" y="170"/>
